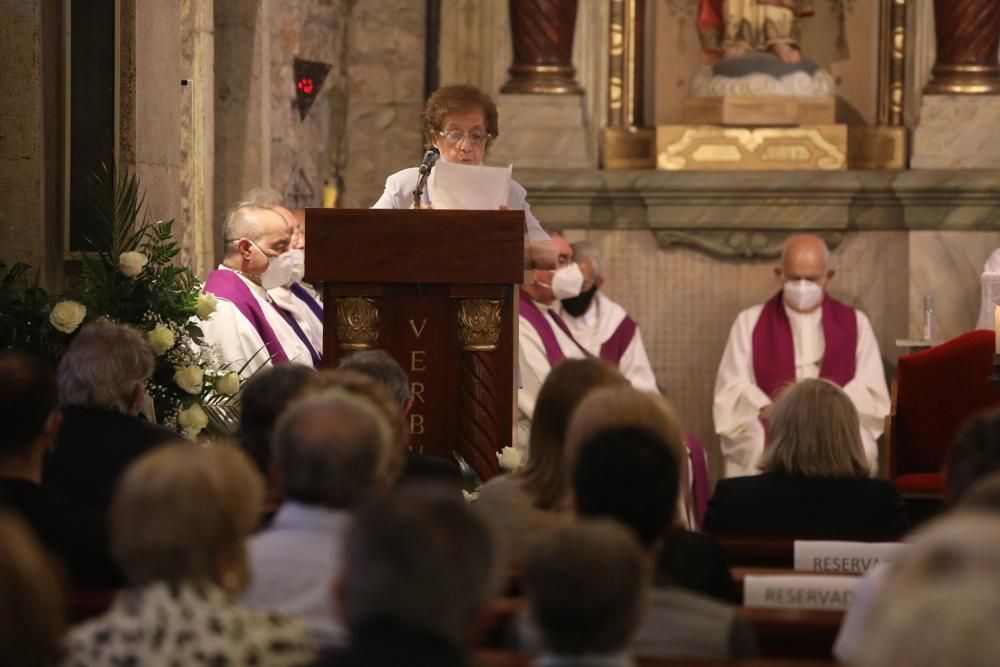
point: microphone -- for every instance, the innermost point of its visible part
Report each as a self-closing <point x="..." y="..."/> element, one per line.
<point x="430" y="157"/>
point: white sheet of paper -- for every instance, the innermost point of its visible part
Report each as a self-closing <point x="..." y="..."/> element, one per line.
<point x="468" y="187"/>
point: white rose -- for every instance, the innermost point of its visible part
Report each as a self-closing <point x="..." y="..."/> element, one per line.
<point x="189" y="379"/>
<point x="132" y="263"/>
<point x="206" y="305"/>
<point x="228" y="384"/>
<point x="192" y="420"/>
<point x="160" y="339"/>
<point x="509" y="458"/>
<point x="66" y="316"/>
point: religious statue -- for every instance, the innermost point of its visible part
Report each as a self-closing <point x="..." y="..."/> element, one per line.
<point x="733" y="28"/>
<point x="751" y="47"/>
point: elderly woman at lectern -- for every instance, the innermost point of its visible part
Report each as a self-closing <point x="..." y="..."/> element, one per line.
<point x="460" y="121"/>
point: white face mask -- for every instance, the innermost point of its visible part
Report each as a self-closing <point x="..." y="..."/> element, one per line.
<point x="567" y="281"/>
<point x="298" y="264"/>
<point x="802" y="295"/>
<point x="279" y="269"/>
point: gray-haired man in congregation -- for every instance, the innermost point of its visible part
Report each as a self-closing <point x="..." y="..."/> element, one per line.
<point x="330" y="450"/>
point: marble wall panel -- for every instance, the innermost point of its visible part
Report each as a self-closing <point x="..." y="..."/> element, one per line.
<point x="947" y="265"/>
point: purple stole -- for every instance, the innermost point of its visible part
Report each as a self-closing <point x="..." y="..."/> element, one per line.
<point x="537" y="319"/>
<point x="774" y="349"/>
<point x="307" y="299"/>
<point x="613" y="349"/>
<point x="227" y="285"/>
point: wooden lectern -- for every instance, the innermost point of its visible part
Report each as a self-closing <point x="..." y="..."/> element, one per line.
<point x="436" y="290"/>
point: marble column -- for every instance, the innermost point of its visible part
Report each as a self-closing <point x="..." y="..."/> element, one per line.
<point x="968" y="36"/>
<point x="960" y="110"/>
<point x="542" y="34"/>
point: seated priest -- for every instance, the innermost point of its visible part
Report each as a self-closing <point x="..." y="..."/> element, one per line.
<point x="544" y="339"/>
<point x="296" y="297"/>
<point x="248" y="325"/>
<point x="801" y="332"/>
<point x="601" y="326"/>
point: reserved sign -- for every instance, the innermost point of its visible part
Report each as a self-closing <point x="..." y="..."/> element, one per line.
<point x="799" y="591"/>
<point x="844" y="557"/>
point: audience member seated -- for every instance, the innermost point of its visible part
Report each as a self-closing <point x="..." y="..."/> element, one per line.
<point x="418" y="569"/>
<point x="601" y="326"/>
<point x="29" y="410"/>
<point x="688" y="559"/>
<point x="587" y="585"/>
<point x="102" y="379"/>
<point x="381" y="367"/>
<point x="250" y="329"/>
<point x="523" y="505"/>
<point x="32" y="601"/>
<point x="329" y="449"/>
<point x="815" y="482"/>
<point x="630" y="474"/>
<point x="940" y="602"/>
<point x="179" y="524"/>
<point x="801" y="332"/>
<point x="972" y="477"/>
<point x="362" y="386"/>
<point x="265" y="396"/>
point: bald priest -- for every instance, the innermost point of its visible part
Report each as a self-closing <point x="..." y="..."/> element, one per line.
<point x="801" y="332"/>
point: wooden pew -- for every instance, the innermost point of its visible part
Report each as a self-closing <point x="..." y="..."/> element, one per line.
<point x="494" y="658"/>
<point x="750" y="551"/>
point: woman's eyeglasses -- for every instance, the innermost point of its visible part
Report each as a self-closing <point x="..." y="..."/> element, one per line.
<point x="456" y="137"/>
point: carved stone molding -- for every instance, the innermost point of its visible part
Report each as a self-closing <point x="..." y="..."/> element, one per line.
<point x="357" y="323"/>
<point x="479" y="324"/>
<point x="726" y="243"/>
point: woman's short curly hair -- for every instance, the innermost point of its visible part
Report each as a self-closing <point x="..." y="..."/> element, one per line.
<point x="458" y="98"/>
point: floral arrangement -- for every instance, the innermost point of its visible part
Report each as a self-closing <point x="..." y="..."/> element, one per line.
<point x="129" y="277"/>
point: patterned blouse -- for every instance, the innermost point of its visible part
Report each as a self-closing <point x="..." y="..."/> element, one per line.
<point x="159" y="625"/>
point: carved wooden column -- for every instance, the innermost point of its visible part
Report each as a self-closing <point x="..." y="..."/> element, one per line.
<point x="968" y="36"/>
<point x="479" y="325"/>
<point x="542" y="34"/>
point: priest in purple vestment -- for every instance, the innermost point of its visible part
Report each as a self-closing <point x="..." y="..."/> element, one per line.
<point x="800" y="332"/>
<point x="248" y="327"/>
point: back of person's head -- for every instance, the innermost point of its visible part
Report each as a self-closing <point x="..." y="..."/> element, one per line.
<point x="420" y="558"/>
<point x="586" y="583"/>
<point x="106" y="367"/>
<point x="975" y="454"/>
<point x="266" y="197"/>
<point x="331" y="449"/>
<point x="359" y="384"/>
<point x="28" y="400"/>
<point x="628" y="474"/>
<point x="182" y="513"/>
<point x="32" y="603"/>
<point x="984" y="496"/>
<point x="381" y="367"/>
<point x="814" y="432"/>
<point x="545" y="475"/>
<point x="626" y="406"/>
<point x="939" y="602"/>
<point x="265" y="396"/>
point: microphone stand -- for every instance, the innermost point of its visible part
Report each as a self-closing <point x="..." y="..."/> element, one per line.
<point x="418" y="192"/>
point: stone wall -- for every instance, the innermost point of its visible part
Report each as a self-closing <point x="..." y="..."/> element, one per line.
<point x="30" y="138"/>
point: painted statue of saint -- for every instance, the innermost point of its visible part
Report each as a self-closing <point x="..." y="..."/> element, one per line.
<point x="735" y="28"/>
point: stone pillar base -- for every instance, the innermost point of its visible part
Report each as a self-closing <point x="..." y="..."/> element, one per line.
<point x="543" y="131"/>
<point x="957" y="132"/>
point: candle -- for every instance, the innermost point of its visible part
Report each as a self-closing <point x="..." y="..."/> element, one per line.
<point x="996" y="328"/>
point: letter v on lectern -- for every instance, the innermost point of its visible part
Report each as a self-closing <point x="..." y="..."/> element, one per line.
<point x="437" y="291"/>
